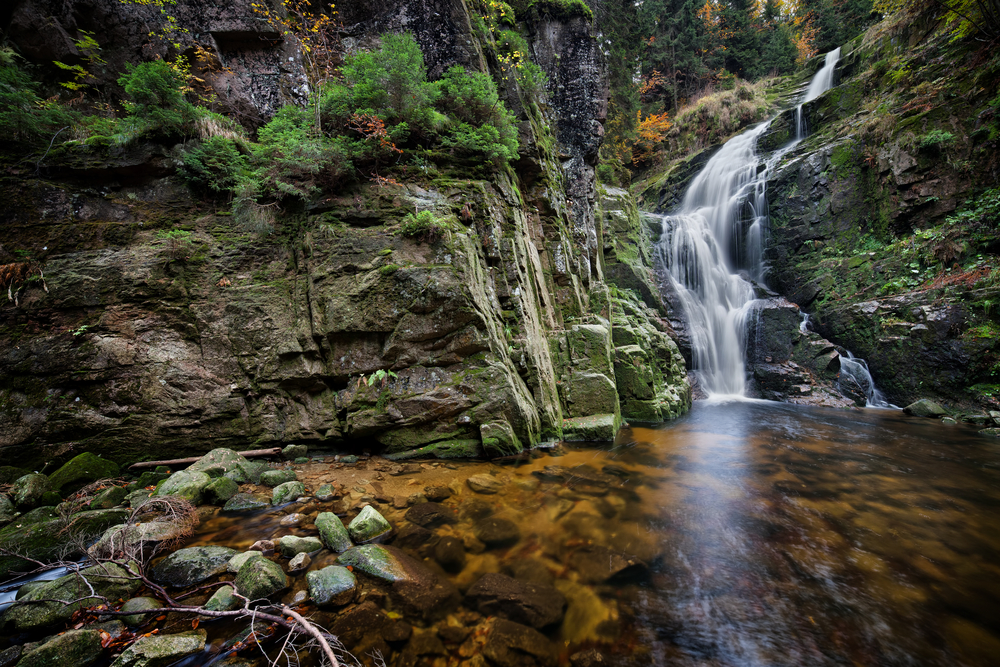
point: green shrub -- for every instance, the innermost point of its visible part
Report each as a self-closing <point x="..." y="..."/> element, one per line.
<point x="215" y="164"/>
<point x="25" y="118"/>
<point x="935" y="140"/>
<point x="486" y="127"/>
<point x="157" y="98"/>
<point x="423" y="226"/>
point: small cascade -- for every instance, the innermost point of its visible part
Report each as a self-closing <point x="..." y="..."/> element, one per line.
<point x="820" y="83"/>
<point x="712" y="248"/>
<point x="855" y="372"/>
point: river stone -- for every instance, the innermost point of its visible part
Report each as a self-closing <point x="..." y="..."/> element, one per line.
<point x="151" y="478"/>
<point x="82" y="470"/>
<point x="187" y="567"/>
<point x="260" y="578"/>
<point x="278" y="477"/>
<point x="140" y="604"/>
<point x="9" y="656"/>
<point x="333" y="585"/>
<point x="484" y="483"/>
<point x="437" y="492"/>
<point x="266" y="547"/>
<point x="287" y="492"/>
<point x="220" y="490"/>
<point x="376" y="561"/>
<point x="295" y="451"/>
<point x="108" y="498"/>
<point x="224" y="462"/>
<point x="326" y="492"/>
<point x="511" y="644"/>
<point x="185" y="484"/>
<point x="161" y="650"/>
<point x="108" y="579"/>
<point x="29" y="490"/>
<point x="993" y="432"/>
<point x="237" y="561"/>
<point x="290" y="545"/>
<point x="223" y="600"/>
<point x="925" y="408"/>
<point x="332" y="532"/>
<point x="43" y="535"/>
<point x="76" y="648"/>
<point x="450" y="554"/>
<point x="245" y="502"/>
<point x="300" y="561"/>
<point x="7" y="511"/>
<point x="119" y="540"/>
<point x="497" y="594"/>
<point x="430" y="514"/>
<point x="596" y="564"/>
<point x="496" y="532"/>
<point x="416" y="589"/>
<point x="368" y="525"/>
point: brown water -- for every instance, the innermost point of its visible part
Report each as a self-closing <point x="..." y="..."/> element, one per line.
<point x="774" y="535"/>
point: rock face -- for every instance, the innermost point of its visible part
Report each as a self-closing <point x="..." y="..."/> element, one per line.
<point x="496" y="332"/>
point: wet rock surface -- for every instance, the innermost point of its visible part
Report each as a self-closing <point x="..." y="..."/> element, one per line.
<point x="535" y="605"/>
<point x="192" y="565"/>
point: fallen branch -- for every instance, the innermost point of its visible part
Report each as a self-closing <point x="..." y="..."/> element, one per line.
<point x="274" y="451"/>
<point x="311" y="629"/>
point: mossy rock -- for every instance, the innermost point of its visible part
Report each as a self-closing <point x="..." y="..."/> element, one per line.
<point x="9" y="474"/>
<point x="287" y="492"/>
<point x="292" y="545"/>
<point x="185" y="484"/>
<point x="446" y="449"/>
<point x="220" y="490"/>
<point x="28" y="491"/>
<point x="76" y="648"/>
<point x="239" y="560"/>
<point x="223" y="599"/>
<point x="82" y="470"/>
<point x="108" y="498"/>
<point x="224" y="462"/>
<point x="7" y="511"/>
<point x="332" y="532"/>
<point x="246" y="502"/>
<point x="260" y="578"/>
<point x="43" y="535"/>
<point x="376" y="561"/>
<point x="278" y="477"/>
<point x="368" y="525"/>
<point x="107" y="579"/>
<point x="151" y="478"/>
<point x="139" y="605"/>
<point x="161" y="650"/>
<point x="333" y="585"/>
<point x="596" y="428"/>
<point x="187" y="567"/>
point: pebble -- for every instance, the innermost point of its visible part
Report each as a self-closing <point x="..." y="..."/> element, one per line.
<point x="292" y="519"/>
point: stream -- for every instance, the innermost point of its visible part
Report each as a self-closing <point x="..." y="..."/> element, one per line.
<point x="774" y="534"/>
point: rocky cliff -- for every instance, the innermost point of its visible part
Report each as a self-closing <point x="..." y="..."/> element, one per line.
<point x="531" y="317"/>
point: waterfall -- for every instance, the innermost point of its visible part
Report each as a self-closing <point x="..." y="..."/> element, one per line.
<point x="820" y="83"/>
<point x="853" y="370"/>
<point x="713" y="250"/>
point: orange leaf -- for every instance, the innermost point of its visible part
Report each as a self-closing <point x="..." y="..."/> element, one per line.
<point x="194" y="624"/>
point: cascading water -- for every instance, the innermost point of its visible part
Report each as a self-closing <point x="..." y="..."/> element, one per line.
<point x="820" y="83"/>
<point x="713" y="249"/>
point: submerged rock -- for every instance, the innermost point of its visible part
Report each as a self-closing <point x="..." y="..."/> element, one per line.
<point x="429" y="514"/>
<point x="334" y="585"/>
<point x="82" y="470"/>
<point x="497" y="594"/>
<point x="332" y="532"/>
<point x="511" y="644"/>
<point x="484" y="484"/>
<point x="597" y="564"/>
<point x="417" y="589"/>
<point x="193" y="565"/>
<point x="76" y="648"/>
<point x="260" y="578"/>
<point x="368" y="525"/>
<point x="497" y="532"/>
<point x="161" y="650"/>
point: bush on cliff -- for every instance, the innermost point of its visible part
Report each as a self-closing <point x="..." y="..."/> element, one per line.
<point x="26" y="118"/>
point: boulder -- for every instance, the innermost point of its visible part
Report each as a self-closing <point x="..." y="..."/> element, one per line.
<point x="925" y="408"/>
<point x="107" y="579"/>
<point x="185" y="484"/>
<point x="223" y="600"/>
<point x="139" y="605"/>
<point x="278" y="477"/>
<point x="10" y="655"/>
<point x="332" y="532"/>
<point x="484" y="484"/>
<point x="287" y="492"/>
<point x="246" y="502"/>
<point x="290" y="545"/>
<point x="416" y="589"/>
<point x="187" y="567"/>
<point x="292" y="452"/>
<point x="496" y="532"/>
<point x="76" y="648"/>
<point x="237" y="561"/>
<point x="44" y="536"/>
<point x="497" y="594"/>
<point x="334" y="585"/>
<point x="224" y="462"/>
<point x="82" y="470"/>
<point x="260" y="578"/>
<point x="368" y="525"/>
<point x="511" y="644"/>
<point x="108" y="498"/>
<point x="134" y="538"/>
<point x="220" y="491"/>
<point x="28" y="491"/>
<point x="8" y="474"/>
<point x="161" y="650"/>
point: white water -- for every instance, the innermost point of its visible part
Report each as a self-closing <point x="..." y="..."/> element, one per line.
<point x="820" y="83"/>
<point x="856" y="371"/>
<point x="713" y="247"/>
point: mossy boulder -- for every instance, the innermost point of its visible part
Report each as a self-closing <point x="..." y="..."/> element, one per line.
<point x="376" y="561"/>
<point x="161" y="650"/>
<point x="220" y="490"/>
<point x="9" y="474"/>
<point x="108" y="498"/>
<point x="292" y="452"/>
<point x="334" y="585"/>
<point x="43" y="535"/>
<point x="260" y="578"/>
<point x="107" y="579"/>
<point x="368" y="525"/>
<point x="139" y="605"/>
<point x="224" y="462"/>
<point x="287" y="492"/>
<point x="278" y="477"/>
<point x="185" y="484"/>
<point x="332" y="532"/>
<point x="186" y="567"/>
<point x="239" y="560"/>
<point x="246" y="502"/>
<point x="292" y="545"/>
<point x="224" y="599"/>
<point x="595" y="428"/>
<point x="76" y="648"/>
<point x="28" y="491"/>
<point x="82" y="470"/>
<point x="925" y="408"/>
